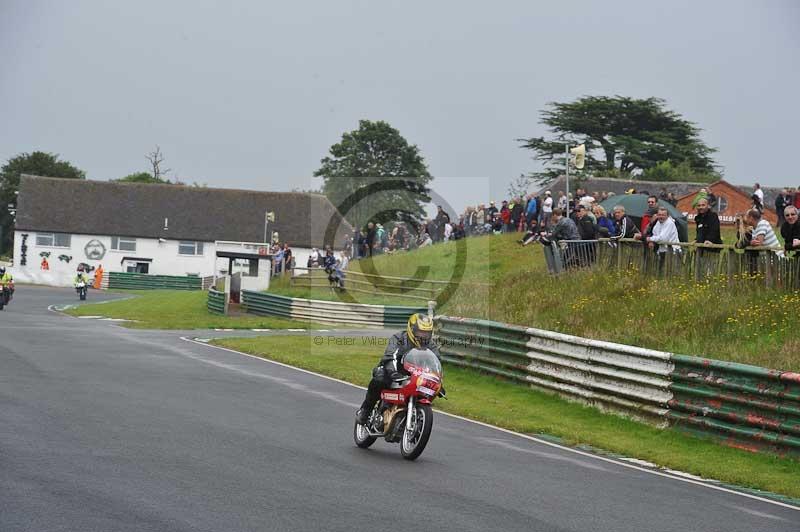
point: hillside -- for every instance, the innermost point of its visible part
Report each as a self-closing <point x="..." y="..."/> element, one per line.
<point x="505" y="282"/>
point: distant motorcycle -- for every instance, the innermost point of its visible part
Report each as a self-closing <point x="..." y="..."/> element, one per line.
<point x="6" y="295"/>
<point x="404" y="413"/>
<point x="81" y="288"/>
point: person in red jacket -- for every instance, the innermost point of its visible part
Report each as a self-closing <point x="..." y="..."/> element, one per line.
<point x="797" y="198"/>
<point x="505" y="215"/>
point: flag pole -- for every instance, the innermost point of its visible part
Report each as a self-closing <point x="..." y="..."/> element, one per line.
<point x="566" y="165"/>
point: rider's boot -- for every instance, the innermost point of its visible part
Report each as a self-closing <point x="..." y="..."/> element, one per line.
<point x="373" y="394"/>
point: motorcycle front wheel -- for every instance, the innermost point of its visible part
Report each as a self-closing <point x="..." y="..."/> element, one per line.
<point x="361" y="436"/>
<point x="416" y="438"/>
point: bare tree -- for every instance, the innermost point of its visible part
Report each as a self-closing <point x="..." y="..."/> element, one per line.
<point x="156" y="158"/>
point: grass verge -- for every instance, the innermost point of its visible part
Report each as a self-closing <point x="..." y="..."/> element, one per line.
<point x="179" y="309"/>
<point x="515" y="407"/>
<point x="508" y="283"/>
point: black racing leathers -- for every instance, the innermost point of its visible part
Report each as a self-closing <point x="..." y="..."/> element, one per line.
<point x="391" y="361"/>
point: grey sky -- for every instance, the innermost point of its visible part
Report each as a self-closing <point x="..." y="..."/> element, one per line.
<point x="252" y="94"/>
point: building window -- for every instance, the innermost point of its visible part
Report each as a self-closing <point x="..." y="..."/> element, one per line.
<point x="190" y="248"/>
<point x="123" y="244"/>
<point x="53" y="240"/>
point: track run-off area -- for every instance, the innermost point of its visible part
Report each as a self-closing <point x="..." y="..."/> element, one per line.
<point x="104" y="428"/>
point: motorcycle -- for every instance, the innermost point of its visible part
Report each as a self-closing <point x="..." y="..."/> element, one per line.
<point x="6" y="295"/>
<point x="80" y="287"/>
<point x="404" y="413"/>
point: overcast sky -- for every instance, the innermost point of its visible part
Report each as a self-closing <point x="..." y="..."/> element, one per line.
<point x="252" y="94"/>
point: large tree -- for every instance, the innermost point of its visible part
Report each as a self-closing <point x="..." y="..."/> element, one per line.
<point x="36" y="163"/>
<point x="357" y="175"/>
<point x="623" y="136"/>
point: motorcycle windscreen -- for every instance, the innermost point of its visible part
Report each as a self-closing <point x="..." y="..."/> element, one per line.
<point x="424" y="360"/>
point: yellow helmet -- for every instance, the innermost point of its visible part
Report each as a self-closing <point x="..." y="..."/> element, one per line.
<point x="420" y="330"/>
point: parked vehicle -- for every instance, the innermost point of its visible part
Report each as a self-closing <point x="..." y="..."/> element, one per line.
<point x="404" y="413"/>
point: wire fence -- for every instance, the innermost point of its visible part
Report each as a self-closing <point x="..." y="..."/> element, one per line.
<point x="771" y="267"/>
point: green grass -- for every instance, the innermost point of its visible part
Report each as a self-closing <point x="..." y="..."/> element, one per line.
<point x="521" y="409"/>
<point x="178" y="309"/>
<point x="506" y="282"/>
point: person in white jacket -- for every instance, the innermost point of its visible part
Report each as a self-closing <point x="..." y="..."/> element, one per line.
<point x="664" y="231"/>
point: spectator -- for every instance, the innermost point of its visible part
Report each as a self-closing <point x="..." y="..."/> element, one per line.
<point x="712" y="200"/>
<point x="424" y="239"/>
<point x="341" y="267"/>
<point x="531" y="210"/>
<point x="763" y="235"/>
<point x="760" y="193"/>
<point x="707" y="223"/>
<point x="371" y="235"/>
<point x="505" y="216"/>
<point x="563" y="228"/>
<point x="586" y="228"/>
<point x="531" y="235"/>
<point x="517" y="211"/>
<point x="783" y="200"/>
<point x="702" y="193"/>
<point x="790" y="230"/>
<point x="664" y="232"/>
<point x="490" y="212"/>
<point x="287" y="256"/>
<point x="547" y="210"/>
<point x="672" y="200"/>
<point x="313" y="258"/>
<point x="652" y="209"/>
<point x="563" y="201"/>
<point x="757" y="203"/>
<point x="797" y="198"/>
<point x="441" y="219"/>
<point x="605" y="226"/>
<point x="664" y="195"/>
<point x="448" y="231"/>
<point x="623" y="225"/>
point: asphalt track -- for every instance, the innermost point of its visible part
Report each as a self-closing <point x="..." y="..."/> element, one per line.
<point x="106" y="429"/>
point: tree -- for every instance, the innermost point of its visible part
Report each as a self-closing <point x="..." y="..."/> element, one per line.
<point x="156" y="158"/>
<point x="142" y="177"/>
<point x="36" y="163"/>
<point x="363" y="163"/>
<point x="623" y="135"/>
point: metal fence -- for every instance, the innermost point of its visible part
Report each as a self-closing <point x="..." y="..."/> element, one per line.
<point x="739" y="405"/>
<point x="770" y="267"/>
<point x="217" y="302"/>
<point x="320" y="311"/>
<point x="143" y="281"/>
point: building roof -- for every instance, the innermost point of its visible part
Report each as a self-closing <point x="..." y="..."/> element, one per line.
<point x="174" y="212"/>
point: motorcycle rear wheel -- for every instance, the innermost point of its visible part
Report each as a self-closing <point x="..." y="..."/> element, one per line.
<point x="414" y="441"/>
<point x="361" y="436"/>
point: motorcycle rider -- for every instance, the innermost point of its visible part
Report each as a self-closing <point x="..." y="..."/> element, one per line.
<point x="6" y="279"/>
<point x="80" y="276"/>
<point x="417" y="335"/>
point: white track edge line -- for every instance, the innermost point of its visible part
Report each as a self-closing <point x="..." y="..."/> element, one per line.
<point x="518" y="434"/>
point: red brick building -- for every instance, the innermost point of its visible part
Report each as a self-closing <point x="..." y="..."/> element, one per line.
<point x="731" y="200"/>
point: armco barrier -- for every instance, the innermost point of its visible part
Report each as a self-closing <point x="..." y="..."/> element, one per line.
<point x="216" y="302"/>
<point x="743" y="406"/>
<point x="613" y="376"/>
<point x="142" y="281"/>
<point x="325" y="311"/>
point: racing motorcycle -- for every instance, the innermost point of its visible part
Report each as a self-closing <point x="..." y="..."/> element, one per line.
<point x="404" y="413"/>
<point x="6" y="294"/>
<point x="80" y="287"/>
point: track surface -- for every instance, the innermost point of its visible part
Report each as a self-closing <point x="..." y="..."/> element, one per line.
<point x="109" y="429"/>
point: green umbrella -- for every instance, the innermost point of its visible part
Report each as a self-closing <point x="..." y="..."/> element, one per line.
<point x="636" y="205"/>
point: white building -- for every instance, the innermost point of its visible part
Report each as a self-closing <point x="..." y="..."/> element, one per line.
<point x="161" y="229"/>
